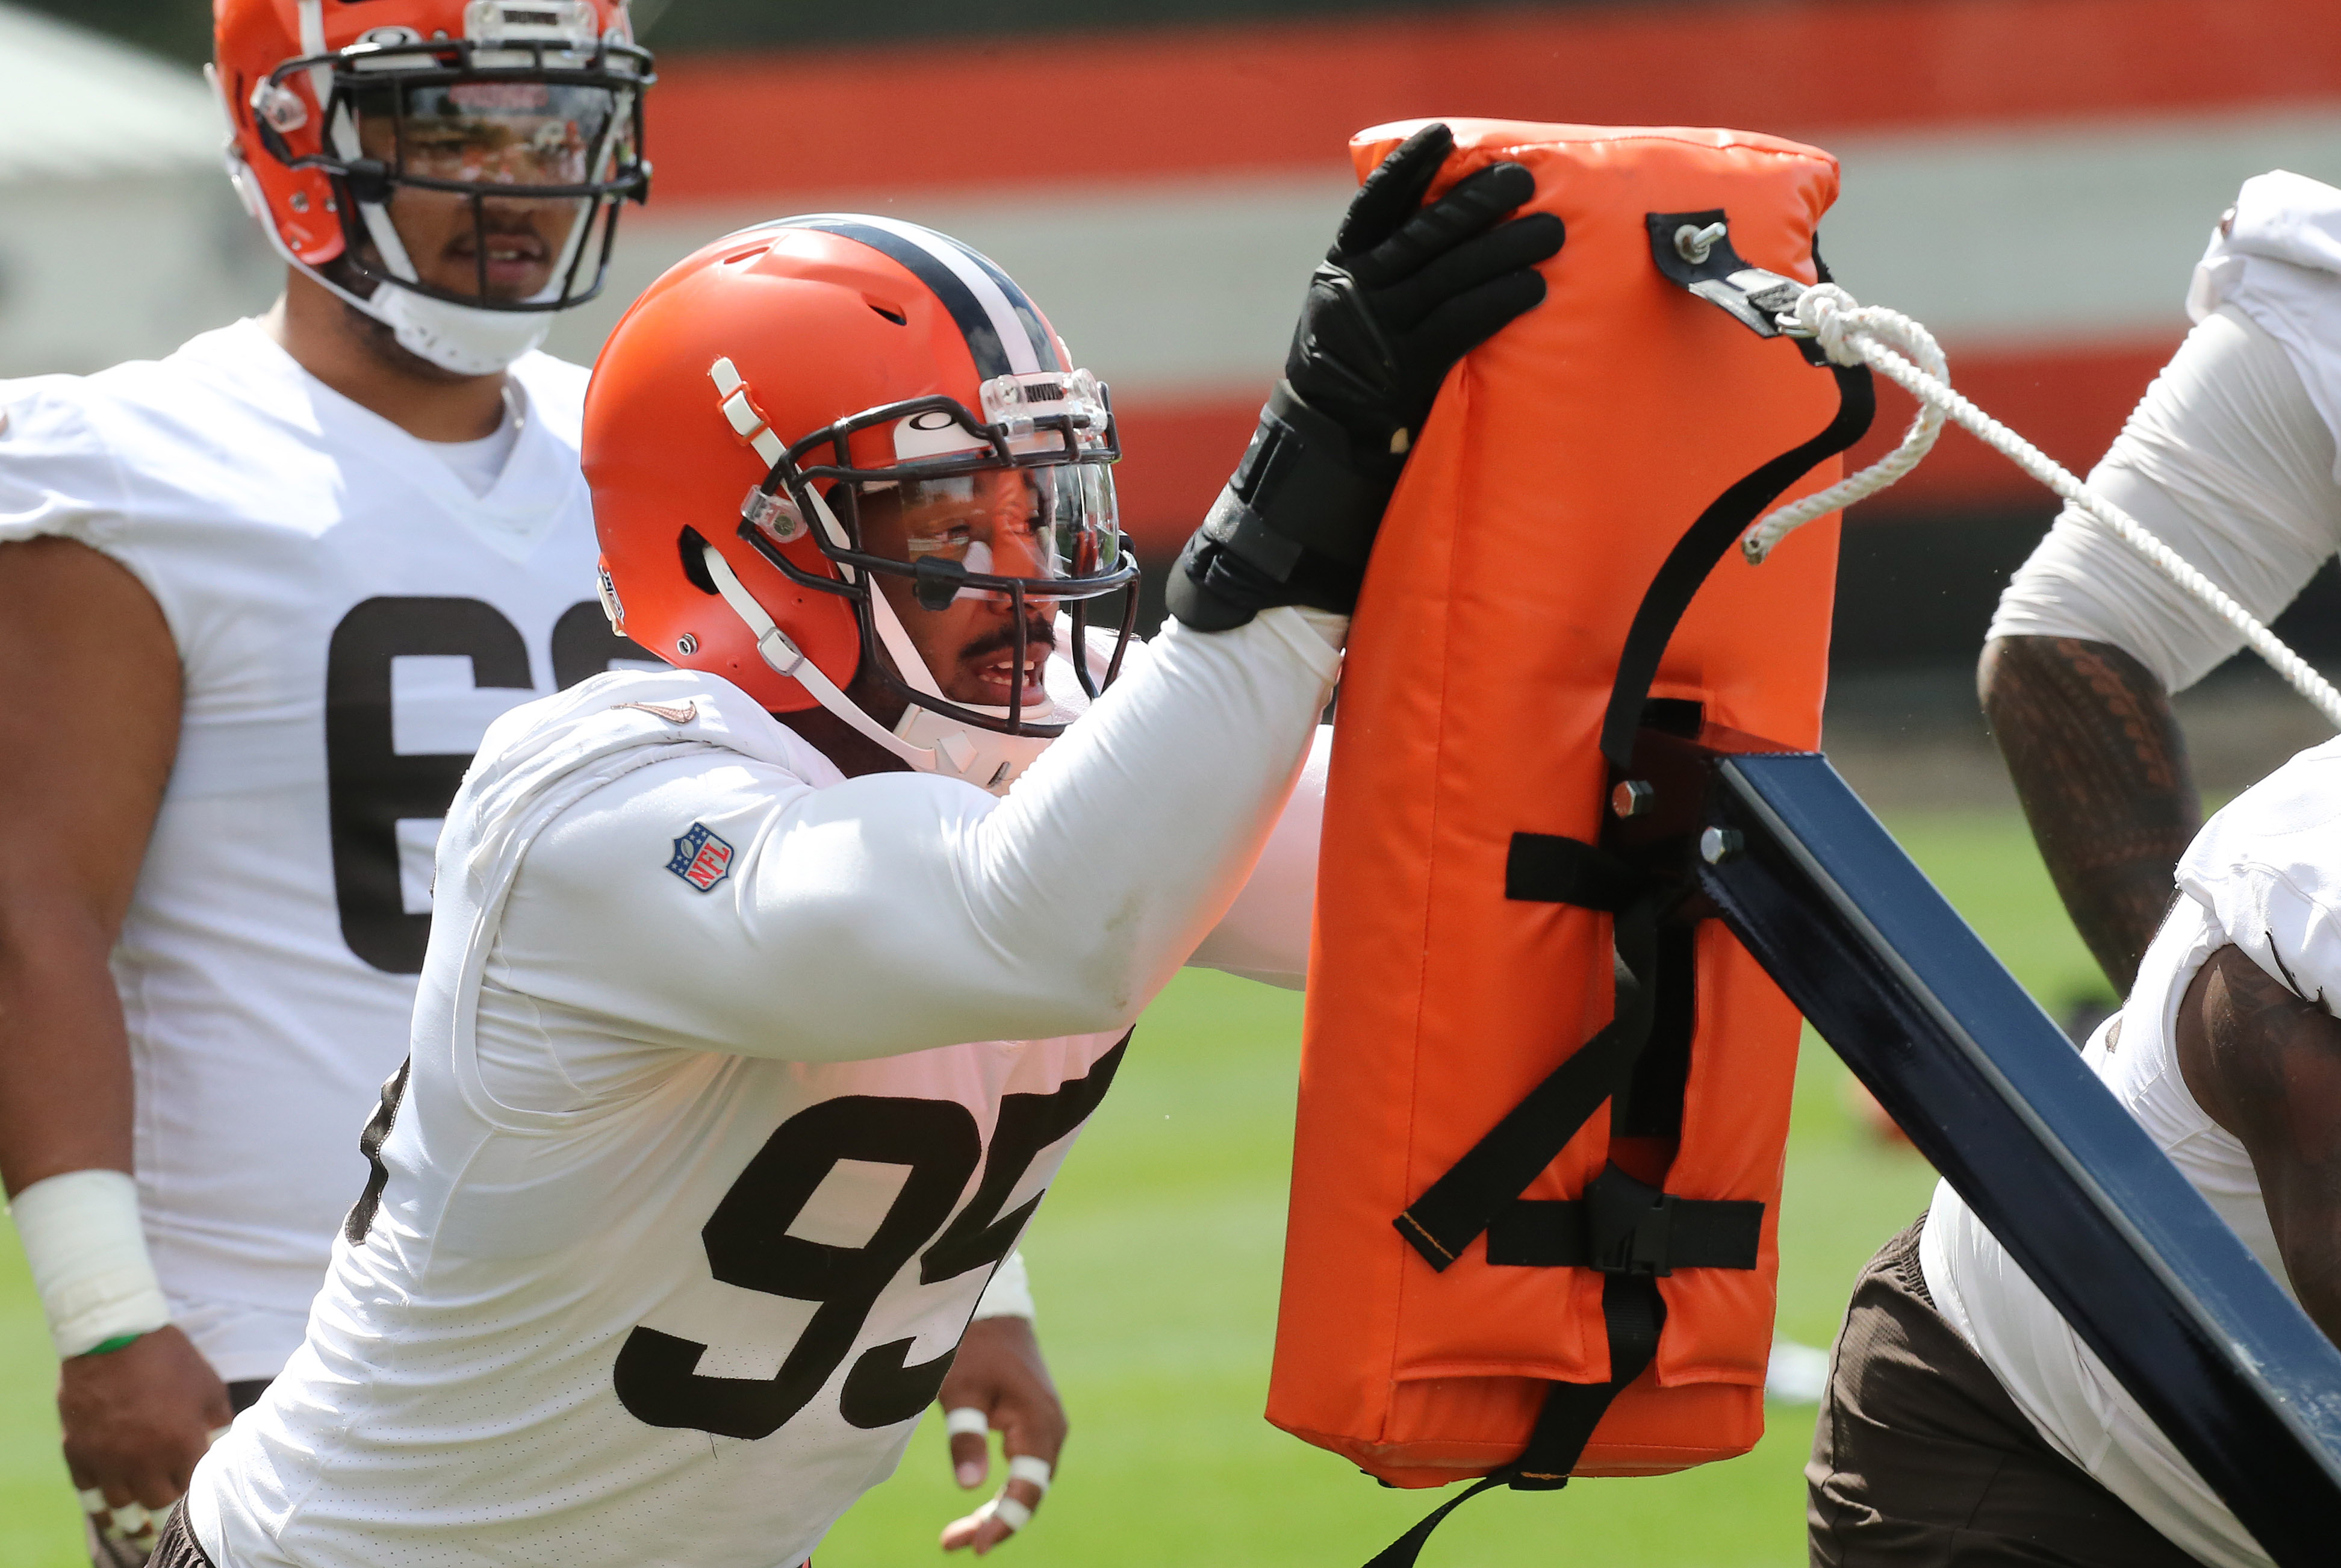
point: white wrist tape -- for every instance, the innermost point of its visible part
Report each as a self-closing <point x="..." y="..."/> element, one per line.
<point x="88" y="1253"/>
<point x="1010" y="1293"/>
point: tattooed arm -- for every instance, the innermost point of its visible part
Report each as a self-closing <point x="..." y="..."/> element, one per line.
<point x="2101" y="769"/>
<point x="2266" y="1066"/>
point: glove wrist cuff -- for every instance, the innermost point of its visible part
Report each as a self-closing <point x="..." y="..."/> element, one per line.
<point x="1294" y="525"/>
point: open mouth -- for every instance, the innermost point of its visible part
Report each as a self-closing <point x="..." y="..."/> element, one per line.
<point x="996" y="676"/>
<point x="515" y="261"/>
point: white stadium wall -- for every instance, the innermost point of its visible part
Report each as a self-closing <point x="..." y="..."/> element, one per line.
<point x="119" y="236"/>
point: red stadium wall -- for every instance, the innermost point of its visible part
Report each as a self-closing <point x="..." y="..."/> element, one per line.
<point x="1951" y="90"/>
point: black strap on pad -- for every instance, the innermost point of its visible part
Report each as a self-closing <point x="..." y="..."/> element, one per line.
<point x="1461" y="1204"/>
<point x="1695" y="554"/>
<point x="1750" y="295"/>
<point x="1626" y="1226"/>
<point x="1633" y="1312"/>
<point x="1546" y="868"/>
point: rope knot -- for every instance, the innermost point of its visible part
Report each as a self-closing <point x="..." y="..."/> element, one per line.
<point x="1906" y="353"/>
<point x="1850" y="332"/>
<point x="1827" y="313"/>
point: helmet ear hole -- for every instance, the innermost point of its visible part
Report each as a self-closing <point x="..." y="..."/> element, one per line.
<point x="693" y="549"/>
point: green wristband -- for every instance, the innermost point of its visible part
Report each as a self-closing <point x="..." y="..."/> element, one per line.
<point x="119" y="1341"/>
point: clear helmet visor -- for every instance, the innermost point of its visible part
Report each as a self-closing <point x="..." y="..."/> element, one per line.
<point x="498" y="131"/>
<point x="1046" y="527"/>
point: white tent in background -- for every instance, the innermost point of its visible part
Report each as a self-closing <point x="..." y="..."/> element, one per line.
<point x="119" y="235"/>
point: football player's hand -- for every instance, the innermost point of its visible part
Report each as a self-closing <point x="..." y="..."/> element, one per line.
<point x="135" y="1421"/>
<point x="998" y="1372"/>
<point x="1407" y="290"/>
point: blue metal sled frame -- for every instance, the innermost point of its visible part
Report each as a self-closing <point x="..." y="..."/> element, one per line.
<point x="1989" y="1090"/>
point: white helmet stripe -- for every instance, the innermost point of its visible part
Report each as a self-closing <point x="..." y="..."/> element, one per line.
<point x="313" y="43"/>
<point x="1007" y="324"/>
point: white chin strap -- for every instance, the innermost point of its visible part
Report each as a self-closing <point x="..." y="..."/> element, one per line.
<point x="787" y="659"/>
<point x="460" y="338"/>
<point x="929" y="742"/>
<point x="985" y="757"/>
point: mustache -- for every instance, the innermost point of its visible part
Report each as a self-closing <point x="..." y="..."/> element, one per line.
<point x="1037" y="634"/>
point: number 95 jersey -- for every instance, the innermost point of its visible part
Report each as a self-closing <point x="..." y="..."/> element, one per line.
<point x="349" y="617"/>
<point x="733" y="1080"/>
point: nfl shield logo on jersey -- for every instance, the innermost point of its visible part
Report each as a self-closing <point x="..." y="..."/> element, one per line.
<point x="700" y="858"/>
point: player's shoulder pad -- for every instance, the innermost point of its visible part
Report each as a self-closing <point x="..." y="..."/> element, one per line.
<point x="625" y="709"/>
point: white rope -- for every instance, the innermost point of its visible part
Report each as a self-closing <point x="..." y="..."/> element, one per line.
<point x="1904" y="352"/>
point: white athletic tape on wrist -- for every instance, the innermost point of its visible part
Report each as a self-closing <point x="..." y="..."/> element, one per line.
<point x="966" y="1421"/>
<point x="1033" y="1470"/>
<point x="1010" y="1293"/>
<point x="1008" y="1511"/>
<point x="88" y="1254"/>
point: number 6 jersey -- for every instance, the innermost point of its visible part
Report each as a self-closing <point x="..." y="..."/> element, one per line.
<point x="348" y="616"/>
<point x="695" y="1179"/>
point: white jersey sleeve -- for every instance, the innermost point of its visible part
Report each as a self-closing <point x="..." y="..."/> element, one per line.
<point x="2230" y="458"/>
<point x="60" y="476"/>
<point x="1264" y="935"/>
<point x="2228" y="462"/>
<point x="901" y="912"/>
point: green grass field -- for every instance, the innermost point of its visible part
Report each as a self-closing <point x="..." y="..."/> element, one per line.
<point x="1155" y="1261"/>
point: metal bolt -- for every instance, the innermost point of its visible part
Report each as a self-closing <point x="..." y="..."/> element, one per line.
<point x="1632" y="797"/>
<point x="300" y="202"/>
<point x="1717" y="844"/>
<point x="1693" y="244"/>
<point x="686" y="645"/>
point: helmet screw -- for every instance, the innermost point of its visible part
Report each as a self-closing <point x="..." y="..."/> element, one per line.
<point x="686" y="645"/>
<point x="1632" y="797"/>
<point x="300" y="202"/>
<point x="1717" y="844"/>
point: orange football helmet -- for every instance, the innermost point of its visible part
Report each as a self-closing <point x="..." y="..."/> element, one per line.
<point x="752" y="401"/>
<point x="529" y="111"/>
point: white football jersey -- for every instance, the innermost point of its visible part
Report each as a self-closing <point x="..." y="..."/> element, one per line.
<point x="697" y="1178"/>
<point x="2263" y="875"/>
<point x="349" y="615"/>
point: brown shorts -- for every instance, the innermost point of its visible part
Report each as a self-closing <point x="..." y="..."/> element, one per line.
<point x="1921" y="1460"/>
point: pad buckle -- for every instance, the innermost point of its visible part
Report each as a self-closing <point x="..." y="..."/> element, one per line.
<point x="1629" y="1226"/>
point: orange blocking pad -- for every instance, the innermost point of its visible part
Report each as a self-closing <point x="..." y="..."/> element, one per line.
<point x="1563" y="461"/>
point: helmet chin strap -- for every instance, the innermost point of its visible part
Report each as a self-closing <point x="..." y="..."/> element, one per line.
<point x="985" y="758"/>
<point x="460" y="338"/>
<point x="990" y="761"/>
<point x="787" y="659"/>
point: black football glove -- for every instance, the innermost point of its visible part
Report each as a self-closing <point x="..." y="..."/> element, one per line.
<point x="1406" y="290"/>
